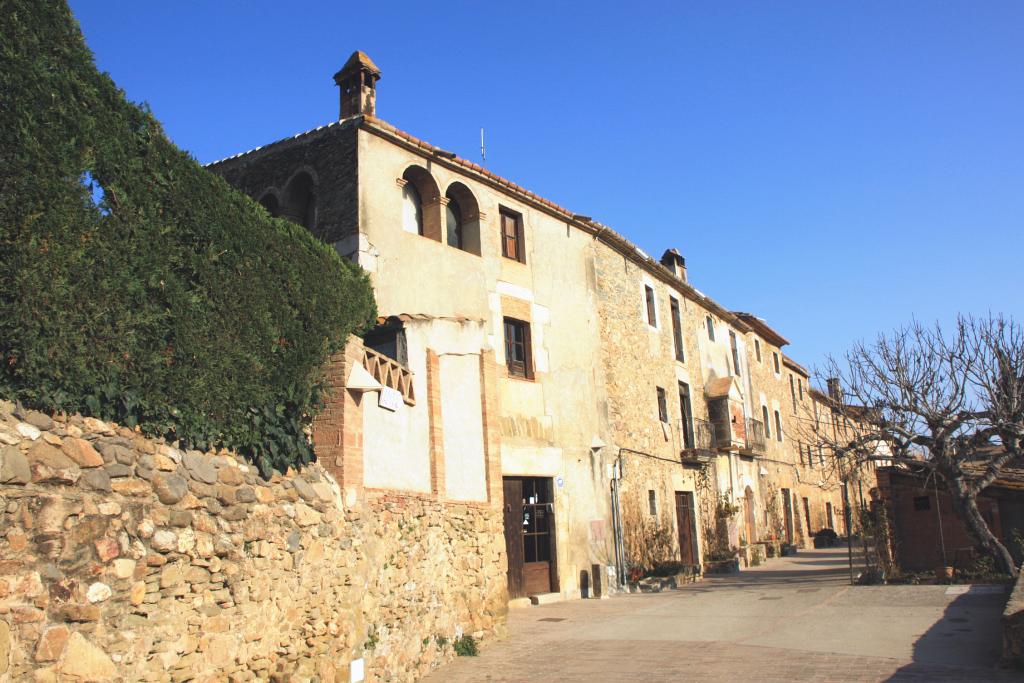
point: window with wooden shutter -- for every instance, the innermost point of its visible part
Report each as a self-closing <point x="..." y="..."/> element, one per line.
<point x="652" y="317"/>
<point x="518" y="354"/>
<point x="512" y="236"/>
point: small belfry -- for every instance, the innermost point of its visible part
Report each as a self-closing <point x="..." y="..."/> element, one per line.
<point x="358" y="83"/>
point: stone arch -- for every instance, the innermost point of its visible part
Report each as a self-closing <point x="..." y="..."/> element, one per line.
<point x="299" y="201"/>
<point x="271" y="202"/>
<point x="421" y="203"/>
<point x="462" y="219"/>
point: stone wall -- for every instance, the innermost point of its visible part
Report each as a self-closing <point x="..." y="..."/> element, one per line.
<point x="327" y="154"/>
<point x="124" y="558"/>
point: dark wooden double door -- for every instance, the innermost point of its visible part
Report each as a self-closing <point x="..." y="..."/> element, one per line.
<point x="686" y="522"/>
<point x="530" y="536"/>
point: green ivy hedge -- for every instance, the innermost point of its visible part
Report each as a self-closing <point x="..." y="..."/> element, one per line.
<point x="136" y="286"/>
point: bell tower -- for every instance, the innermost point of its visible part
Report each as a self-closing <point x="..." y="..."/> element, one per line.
<point x="358" y="83"/>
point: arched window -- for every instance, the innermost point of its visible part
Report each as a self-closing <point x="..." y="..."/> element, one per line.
<point x="462" y="219"/>
<point x="412" y="209"/>
<point x="299" y="205"/>
<point x="767" y="424"/>
<point x="421" y="204"/>
<point x="453" y="224"/>
<point x="269" y="202"/>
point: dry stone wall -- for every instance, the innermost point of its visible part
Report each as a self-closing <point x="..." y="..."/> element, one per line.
<point x="127" y="559"/>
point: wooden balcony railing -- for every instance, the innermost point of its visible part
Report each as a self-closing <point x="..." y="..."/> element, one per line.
<point x="390" y="373"/>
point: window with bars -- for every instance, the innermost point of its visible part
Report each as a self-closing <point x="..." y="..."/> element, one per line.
<point x="518" y="355"/>
<point x="512" y="243"/>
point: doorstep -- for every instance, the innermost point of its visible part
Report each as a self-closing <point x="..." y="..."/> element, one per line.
<point x="545" y="598"/>
<point x="519" y="602"/>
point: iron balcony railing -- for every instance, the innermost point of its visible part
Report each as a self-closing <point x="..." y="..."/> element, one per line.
<point x="699" y="443"/>
<point x="755" y="441"/>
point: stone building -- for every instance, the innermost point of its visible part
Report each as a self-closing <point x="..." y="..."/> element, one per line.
<point x="549" y="369"/>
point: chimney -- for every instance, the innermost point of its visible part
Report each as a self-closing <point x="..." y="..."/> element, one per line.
<point x="674" y="262"/>
<point x="358" y="83"/>
<point x="835" y="389"/>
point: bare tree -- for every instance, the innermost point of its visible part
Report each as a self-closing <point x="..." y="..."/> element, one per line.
<point x="951" y="404"/>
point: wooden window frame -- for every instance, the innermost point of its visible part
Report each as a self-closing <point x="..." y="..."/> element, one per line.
<point x="677" y="328"/>
<point x="522" y="369"/>
<point x="733" y="346"/>
<point x="652" y="306"/>
<point x="513" y="244"/>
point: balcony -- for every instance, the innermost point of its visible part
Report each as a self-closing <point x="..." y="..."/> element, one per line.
<point x="754" y="442"/>
<point x="701" y="444"/>
<point x="390" y="373"/>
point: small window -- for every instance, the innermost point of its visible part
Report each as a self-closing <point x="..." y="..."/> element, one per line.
<point x="775" y="357"/>
<point x="735" y="353"/>
<point x="652" y="502"/>
<point x="518" y="356"/>
<point x="792" y="393"/>
<point x="512" y="245"/>
<point x="711" y="328"/>
<point x="662" y="406"/>
<point x="800" y="385"/>
<point x="652" y="316"/>
<point x="821" y="456"/>
<point x="767" y="424"/>
<point x="922" y="503"/>
<point x="677" y="329"/>
<point x="757" y="350"/>
<point x="778" y="426"/>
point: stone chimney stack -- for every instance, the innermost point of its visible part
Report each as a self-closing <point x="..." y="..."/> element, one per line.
<point x="674" y="262"/>
<point x="358" y="83"/>
<point x="835" y="389"/>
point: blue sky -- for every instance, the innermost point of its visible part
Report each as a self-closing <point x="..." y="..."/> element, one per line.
<point x="836" y="168"/>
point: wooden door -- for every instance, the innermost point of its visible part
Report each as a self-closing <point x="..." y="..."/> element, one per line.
<point x="787" y="511"/>
<point x="685" y="520"/>
<point x="539" y="568"/>
<point x="513" y="490"/>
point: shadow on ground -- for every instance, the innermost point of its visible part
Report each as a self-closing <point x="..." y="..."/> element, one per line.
<point x="935" y="659"/>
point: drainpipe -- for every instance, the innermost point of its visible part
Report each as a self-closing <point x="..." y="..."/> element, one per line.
<point x="620" y="569"/>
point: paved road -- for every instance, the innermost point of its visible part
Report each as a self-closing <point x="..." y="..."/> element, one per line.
<point x="796" y="618"/>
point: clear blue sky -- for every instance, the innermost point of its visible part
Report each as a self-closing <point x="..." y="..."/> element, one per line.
<point x="834" y="167"/>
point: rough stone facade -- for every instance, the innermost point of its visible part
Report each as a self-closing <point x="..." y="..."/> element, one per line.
<point x="127" y="559"/>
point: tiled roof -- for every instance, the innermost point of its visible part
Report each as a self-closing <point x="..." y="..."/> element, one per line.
<point x="762" y="328"/>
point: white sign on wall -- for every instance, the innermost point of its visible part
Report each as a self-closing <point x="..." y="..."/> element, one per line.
<point x="390" y="399"/>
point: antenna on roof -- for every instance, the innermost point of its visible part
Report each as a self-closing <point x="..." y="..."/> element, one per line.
<point x="483" y="149"/>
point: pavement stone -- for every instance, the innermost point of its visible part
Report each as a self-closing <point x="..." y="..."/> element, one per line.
<point x="795" y="618"/>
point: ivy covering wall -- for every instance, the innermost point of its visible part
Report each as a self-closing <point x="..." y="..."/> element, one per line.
<point x="134" y="285"/>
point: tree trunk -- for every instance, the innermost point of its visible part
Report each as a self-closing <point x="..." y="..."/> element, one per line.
<point x="965" y="504"/>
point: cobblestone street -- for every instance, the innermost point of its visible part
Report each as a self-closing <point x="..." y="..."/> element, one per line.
<point x="797" y="618"/>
